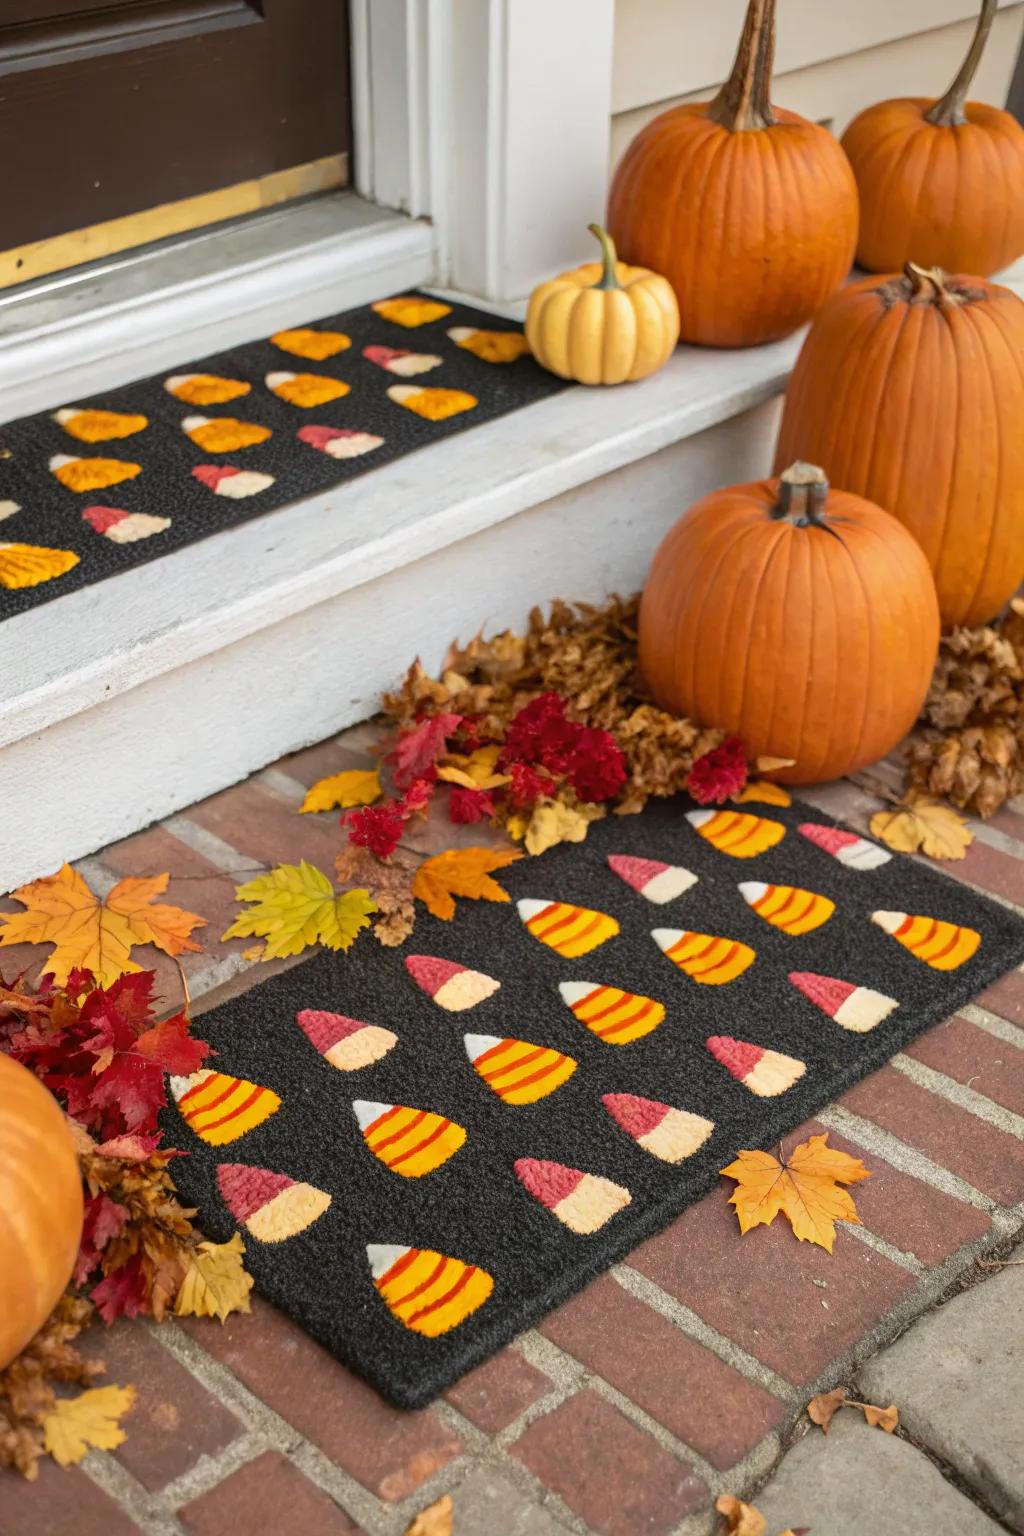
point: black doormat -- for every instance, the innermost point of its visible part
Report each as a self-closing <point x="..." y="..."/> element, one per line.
<point x="108" y="482"/>
<point x="429" y="1151"/>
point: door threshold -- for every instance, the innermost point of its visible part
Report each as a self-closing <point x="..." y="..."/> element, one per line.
<point x="92" y="329"/>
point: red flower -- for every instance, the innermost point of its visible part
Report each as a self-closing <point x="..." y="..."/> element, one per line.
<point x="596" y="769"/>
<point x="416" y="797"/>
<point x="541" y="734"/>
<point x="719" y="773"/>
<point x="377" y="827"/>
<point x="527" y="785"/>
<point x="469" y="805"/>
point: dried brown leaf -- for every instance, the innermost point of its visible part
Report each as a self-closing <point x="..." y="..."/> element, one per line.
<point x="437" y="1520"/>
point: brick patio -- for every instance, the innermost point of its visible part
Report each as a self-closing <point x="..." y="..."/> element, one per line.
<point x="677" y="1375"/>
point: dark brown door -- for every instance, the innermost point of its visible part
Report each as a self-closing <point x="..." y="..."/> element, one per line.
<point x="110" y="107"/>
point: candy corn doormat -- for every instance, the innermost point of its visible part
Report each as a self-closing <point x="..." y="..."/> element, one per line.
<point x="102" y="484"/>
<point x="428" y="1148"/>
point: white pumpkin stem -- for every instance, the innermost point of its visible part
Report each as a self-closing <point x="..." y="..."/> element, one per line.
<point x="609" y="277"/>
<point x="803" y="494"/>
<point x="948" y="111"/>
<point x="744" y="102"/>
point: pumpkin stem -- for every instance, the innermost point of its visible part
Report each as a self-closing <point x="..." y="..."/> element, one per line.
<point x="927" y="283"/>
<point x="948" y="111"/>
<point x="609" y="277"/>
<point x="803" y="492"/>
<point x="744" y="102"/>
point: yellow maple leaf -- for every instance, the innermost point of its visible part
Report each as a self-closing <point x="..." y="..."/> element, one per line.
<point x="552" y="822"/>
<point x="924" y="823"/>
<point x="216" y="1283"/>
<point x="764" y="790"/>
<point x="806" y="1188"/>
<point x="295" y="906"/>
<point x="437" y="1520"/>
<point x="461" y="872"/>
<point x="94" y="934"/>
<point x="90" y="1421"/>
<point x="356" y="786"/>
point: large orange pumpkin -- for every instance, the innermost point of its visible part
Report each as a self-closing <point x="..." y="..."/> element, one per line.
<point x="749" y="211"/>
<point x="40" y="1206"/>
<point x="940" y="181"/>
<point x="910" y="391"/>
<point x="799" y="618"/>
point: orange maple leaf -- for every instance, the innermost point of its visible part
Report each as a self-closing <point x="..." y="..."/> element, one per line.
<point x="461" y="872"/>
<point x="806" y="1187"/>
<point x="97" y="935"/>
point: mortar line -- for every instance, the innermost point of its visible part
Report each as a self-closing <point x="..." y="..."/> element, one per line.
<point x="898" y="1154"/>
<point x="211" y="847"/>
<point x="898" y="1256"/>
<point x="992" y="1024"/>
<point x="958" y="1093"/>
<point x="209" y="1471"/>
<point x="993" y="838"/>
<point x="125" y="1490"/>
<point x="282" y="783"/>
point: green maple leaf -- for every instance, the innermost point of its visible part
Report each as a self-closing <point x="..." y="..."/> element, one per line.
<point x="295" y="906"/>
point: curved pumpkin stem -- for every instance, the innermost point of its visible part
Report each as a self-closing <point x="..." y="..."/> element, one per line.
<point x="803" y="494"/>
<point x="609" y="277"/>
<point x="948" y="111"/>
<point x="744" y="102"/>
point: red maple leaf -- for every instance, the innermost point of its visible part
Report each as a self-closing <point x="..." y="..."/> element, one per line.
<point x="719" y="773"/>
<point x="170" y="1045"/>
<point x="419" y="748"/>
<point x="469" y="805"/>
<point x="122" y="1293"/>
<point x="104" y="1218"/>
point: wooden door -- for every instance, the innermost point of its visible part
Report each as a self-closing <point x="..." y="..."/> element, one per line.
<point x="110" y="107"/>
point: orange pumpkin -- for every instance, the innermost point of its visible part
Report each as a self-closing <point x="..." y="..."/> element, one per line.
<point x="749" y="211"/>
<point x="40" y="1206"/>
<point x="910" y="391"/>
<point x="939" y="181"/>
<point x="799" y="618"/>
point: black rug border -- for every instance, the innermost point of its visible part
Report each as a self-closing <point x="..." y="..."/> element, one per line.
<point x="606" y="1248"/>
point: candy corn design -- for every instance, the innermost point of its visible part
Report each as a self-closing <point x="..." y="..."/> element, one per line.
<point x="614" y="1016"/>
<point x="583" y="1202"/>
<point x="397" y="360"/>
<point x="410" y="310"/>
<point x="339" y="442"/>
<point x="347" y="1044"/>
<point x="658" y="882"/>
<point x="8" y="509"/>
<point x="786" y="906"/>
<point x="453" y="987"/>
<point x="736" y="832"/>
<point x="306" y="389"/>
<point x="411" y="1142"/>
<point x="315" y="346"/>
<point x="91" y="474"/>
<point x="766" y="1073"/>
<point x="490" y="346"/>
<point x="855" y="1008"/>
<point x="518" y="1072"/>
<point x="26" y="565"/>
<point x="855" y="852"/>
<point x="99" y="426"/>
<point x="223" y="434"/>
<point x="428" y="1292"/>
<point x="220" y="1108"/>
<point x="432" y="404"/>
<point x="569" y="931"/>
<point x="205" y="388"/>
<point x="271" y="1205"/>
<point x="226" y="480"/>
<point x="705" y="958"/>
<point x="124" y="527"/>
<point x="667" y="1133"/>
<point x="942" y="945"/>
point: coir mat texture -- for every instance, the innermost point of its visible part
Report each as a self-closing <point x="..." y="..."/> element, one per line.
<point x="105" y="483"/>
<point x="427" y="1151"/>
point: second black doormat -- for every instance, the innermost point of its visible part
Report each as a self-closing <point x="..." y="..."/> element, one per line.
<point x="105" y="483"/>
<point x="428" y="1151"/>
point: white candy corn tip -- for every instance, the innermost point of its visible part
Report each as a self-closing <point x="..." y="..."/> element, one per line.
<point x="477" y="1044"/>
<point x="273" y="380"/>
<point x="190" y="423"/>
<point x="402" y="392"/>
<point x="8" y="509"/>
<point x="381" y="1256"/>
<point x="528" y="907"/>
<point x="890" y="921"/>
<point x="60" y="459"/>
<point x="574" y="991"/>
<point x="752" y="891"/>
<point x="177" y="380"/>
<point x="666" y="937"/>
<point x="699" y="818"/>
<point x="460" y="332"/>
<point x="366" y="1111"/>
<point x="66" y="413"/>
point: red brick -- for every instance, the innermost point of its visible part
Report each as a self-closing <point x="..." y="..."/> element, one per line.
<point x="387" y="1450"/>
<point x="990" y="869"/>
<point x="979" y="1060"/>
<point x="1005" y="997"/>
<point x="682" y="1385"/>
<point x="268" y="1494"/>
<point x="1009" y="822"/>
<point x="174" y="1420"/>
<point x="790" y="1304"/>
<point x="990" y="1159"/>
<point x="266" y="828"/>
<point x="615" y="1476"/>
<point x="912" y="1216"/>
<point x="60" y="1501"/>
<point x="322" y="760"/>
<point x="498" y="1391"/>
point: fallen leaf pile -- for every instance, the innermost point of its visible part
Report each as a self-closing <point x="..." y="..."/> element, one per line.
<point x="923" y="824"/>
<point x="970" y="743"/>
<point x="806" y="1187"/>
<point x="823" y="1408"/>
